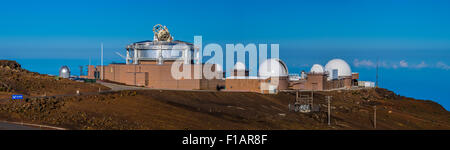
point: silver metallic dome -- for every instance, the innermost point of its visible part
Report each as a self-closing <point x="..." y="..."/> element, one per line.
<point x="64" y="72"/>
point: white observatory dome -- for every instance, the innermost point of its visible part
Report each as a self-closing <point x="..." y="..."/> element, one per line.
<point x="316" y="68"/>
<point x="343" y="69"/>
<point x="273" y="68"/>
<point x="239" y="66"/>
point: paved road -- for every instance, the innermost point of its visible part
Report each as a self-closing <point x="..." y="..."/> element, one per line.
<point x="11" y="126"/>
<point x="118" y="87"/>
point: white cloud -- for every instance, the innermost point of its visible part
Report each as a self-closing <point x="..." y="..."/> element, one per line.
<point x="403" y="64"/>
<point x="363" y="63"/>
<point x="442" y="65"/>
<point x="421" y="65"/>
<point x="394" y="66"/>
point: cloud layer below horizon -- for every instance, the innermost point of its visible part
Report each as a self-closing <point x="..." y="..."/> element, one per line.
<point x="366" y="63"/>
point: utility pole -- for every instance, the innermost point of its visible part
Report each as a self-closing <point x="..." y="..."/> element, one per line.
<point x="81" y="70"/>
<point x="312" y="100"/>
<point x="376" y="82"/>
<point x="329" y="109"/>
<point x="296" y="107"/>
<point x="135" y="80"/>
<point x="102" y="72"/>
<point x="375" y="116"/>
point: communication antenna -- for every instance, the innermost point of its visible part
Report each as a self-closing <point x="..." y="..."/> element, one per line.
<point x="101" y="75"/>
<point x="81" y="70"/>
<point x="117" y="53"/>
<point x="376" y="82"/>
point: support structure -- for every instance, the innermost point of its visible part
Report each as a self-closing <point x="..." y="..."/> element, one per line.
<point x="160" y="56"/>
<point x="81" y="70"/>
<point x="376" y="82"/>
<point x="303" y="103"/>
<point x="127" y="59"/>
<point x="135" y="60"/>
<point x="329" y="109"/>
<point x="312" y="100"/>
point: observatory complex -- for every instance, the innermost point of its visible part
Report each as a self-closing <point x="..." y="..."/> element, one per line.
<point x="149" y="64"/>
<point x="336" y="74"/>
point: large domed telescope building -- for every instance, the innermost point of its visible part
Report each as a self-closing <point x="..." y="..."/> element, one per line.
<point x="275" y="75"/>
<point x="149" y="63"/>
<point x="272" y="77"/>
<point x="335" y="75"/>
<point x="339" y="74"/>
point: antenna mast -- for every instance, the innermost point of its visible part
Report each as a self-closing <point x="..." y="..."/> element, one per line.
<point x="376" y="82"/>
<point x="81" y="70"/>
<point x="102" y="61"/>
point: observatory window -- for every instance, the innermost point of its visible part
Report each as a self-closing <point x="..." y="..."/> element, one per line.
<point x="172" y="54"/>
<point x="154" y="54"/>
<point x="334" y="74"/>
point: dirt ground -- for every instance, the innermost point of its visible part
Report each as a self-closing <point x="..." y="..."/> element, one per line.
<point x="155" y="109"/>
<point x="15" y="80"/>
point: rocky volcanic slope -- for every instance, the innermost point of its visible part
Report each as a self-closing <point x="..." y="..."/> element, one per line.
<point x="155" y="109"/>
<point x="160" y="109"/>
<point x="14" y="79"/>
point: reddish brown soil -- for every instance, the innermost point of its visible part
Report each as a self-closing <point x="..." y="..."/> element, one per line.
<point x="15" y="80"/>
<point x="154" y="109"/>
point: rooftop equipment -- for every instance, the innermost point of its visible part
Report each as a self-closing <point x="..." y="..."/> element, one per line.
<point x="294" y="77"/>
<point x="161" y="33"/>
<point x="162" y="48"/>
<point x="303" y="75"/>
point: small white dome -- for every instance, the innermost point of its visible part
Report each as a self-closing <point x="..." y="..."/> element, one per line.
<point x="343" y="69"/>
<point x="218" y="67"/>
<point x="316" y="68"/>
<point x="273" y="68"/>
<point x="239" y="66"/>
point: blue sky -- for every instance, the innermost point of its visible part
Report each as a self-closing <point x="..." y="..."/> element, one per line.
<point x="73" y="30"/>
<point x="359" y="24"/>
<point x="408" y="36"/>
